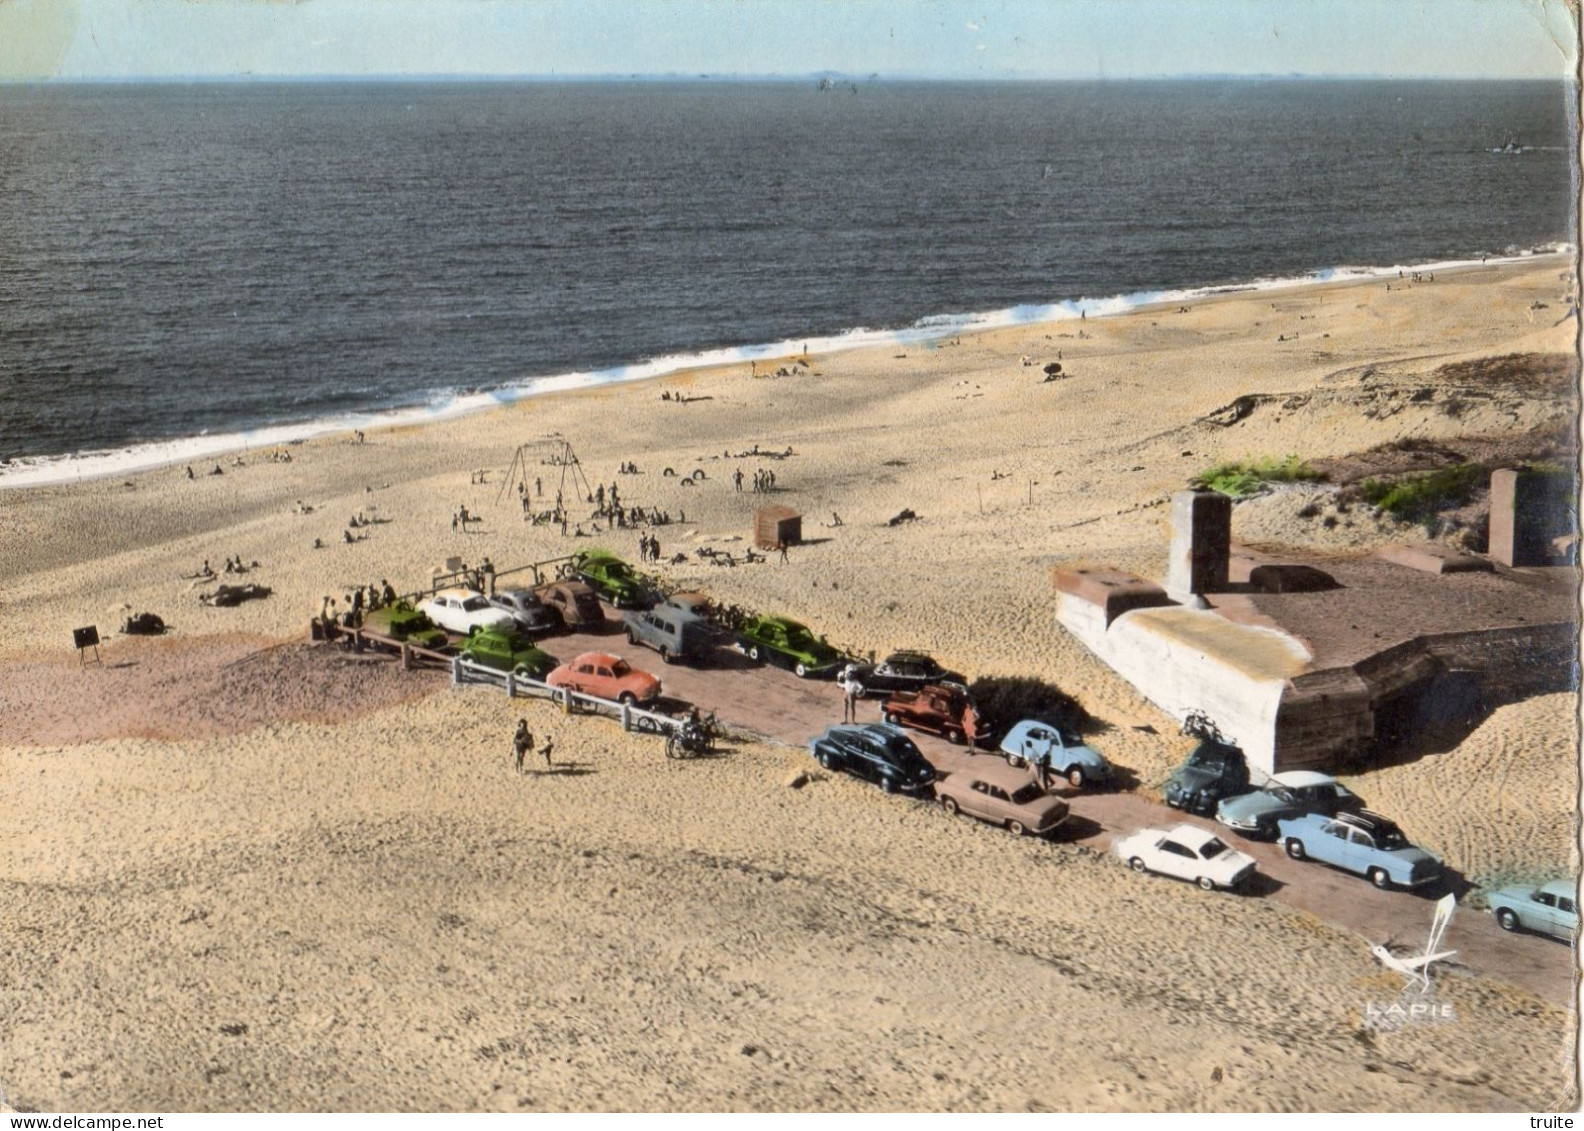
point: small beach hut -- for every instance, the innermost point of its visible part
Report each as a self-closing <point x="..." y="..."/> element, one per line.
<point x="777" y="526"/>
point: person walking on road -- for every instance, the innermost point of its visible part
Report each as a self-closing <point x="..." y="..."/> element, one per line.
<point x="852" y="691"/>
<point x="522" y="742"/>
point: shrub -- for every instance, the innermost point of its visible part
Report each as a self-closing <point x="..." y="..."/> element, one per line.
<point x="1241" y="478"/>
<point x="1421" y="498"/>
<point x="1004" y="700"/>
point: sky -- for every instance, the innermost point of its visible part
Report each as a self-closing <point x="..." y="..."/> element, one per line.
<point x="939" y="39"/>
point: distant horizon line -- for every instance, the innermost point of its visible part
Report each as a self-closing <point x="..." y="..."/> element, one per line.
<point x="838" y="77"/>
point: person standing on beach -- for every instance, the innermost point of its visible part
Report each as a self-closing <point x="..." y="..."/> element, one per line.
<point x="737" y="479"/>
<point x="782" y="546"/>
<point x="546" y="749"/>
<point x="522" y="742"/>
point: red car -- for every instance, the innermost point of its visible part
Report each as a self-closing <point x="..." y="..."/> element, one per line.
<point x="607" y="677"/>
<point x="940" y="708"/>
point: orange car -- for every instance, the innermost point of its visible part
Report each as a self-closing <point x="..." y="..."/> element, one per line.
<point x="606" y="676"/>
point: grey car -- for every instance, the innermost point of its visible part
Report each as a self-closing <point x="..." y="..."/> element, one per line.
<point x="532" y="616"/>
<point x="674" y="632"/>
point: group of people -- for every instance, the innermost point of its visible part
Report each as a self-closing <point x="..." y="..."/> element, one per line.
<point x="763" y="480"/>
<point x="648" y="548"/>
<point x="364" y="598"/>
<point x="523" y="743"/>
<point x="461" y="517"/>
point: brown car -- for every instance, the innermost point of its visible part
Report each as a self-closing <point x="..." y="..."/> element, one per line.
<point x="1024" y="808"/>
<point x="577" y="604"/>
<point x="940" y="708"/>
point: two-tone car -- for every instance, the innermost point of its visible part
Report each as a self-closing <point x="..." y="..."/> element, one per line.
<point x="788" y="644"/>
<point x="1187" y="852"/>
<point x="463" y="611"/>
<point x="906" y="670"/>
<point x="1364" y="843"/>
<point x="1291" y="794"/>
<point x="939" y="708"/>
<point x="1549" y="909"/>
<point x="1035" y="742"/>
<point x="876" y="752"/>
<point x="575" y="603"/>
<point x="1023" y="808"/>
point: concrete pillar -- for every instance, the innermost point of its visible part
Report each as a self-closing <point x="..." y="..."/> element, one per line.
<point x="626" y="717"/>
<point x="1528" y="509"/>
<point x="456" y="671"/>
<point x="1201" y="543"/>
<point x="511" y="685"/>
<point x="407" y="657"/>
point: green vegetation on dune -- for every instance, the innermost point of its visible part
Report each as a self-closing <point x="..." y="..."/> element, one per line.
<point x="1241" y="478"/>
<point x="1421" y="498"/>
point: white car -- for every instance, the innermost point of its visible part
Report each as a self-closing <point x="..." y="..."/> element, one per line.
<point x="1187" y="852"/>
<point x="464" y="610"/>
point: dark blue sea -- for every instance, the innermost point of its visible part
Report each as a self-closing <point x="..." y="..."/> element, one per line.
<point x="185" y="260"/>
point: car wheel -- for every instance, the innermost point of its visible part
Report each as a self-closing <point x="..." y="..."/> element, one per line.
<point x="632" y="637"/>
<point x="1207" y="883"/>
<point x="950" y="805"/>
<point x="800" y="671"/>
<point x="1136" y="864"/>
<point x="1295" y="849"/>
<point x="1015" y="762"/>
<point x="954" y="736"/>
<point x="889" y="784"/>
<point x="665" y="655"/>
<point x="1075" y="777"/>
<point x="889" y="717"/>
<point x="1379" y="878"/>
<point x="753" y="653"/>
<point x="627" y="699"/>
<point x="1016" y="828"/>
<point x="827" y="759"/>
<point x="1507" y="919"/>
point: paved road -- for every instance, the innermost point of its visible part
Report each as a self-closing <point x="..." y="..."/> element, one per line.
<point x="775" y="703"/>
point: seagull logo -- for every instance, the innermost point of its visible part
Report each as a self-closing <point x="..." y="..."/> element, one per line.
<point x="1416" y="968"/>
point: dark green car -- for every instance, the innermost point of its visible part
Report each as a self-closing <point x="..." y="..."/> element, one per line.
<point x="508" y="652"/>
<point x="613" y="579"/>
<point x="403" y="622"/>
<point x="788" y="644"/>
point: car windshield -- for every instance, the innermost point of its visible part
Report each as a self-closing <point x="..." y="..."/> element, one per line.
<point x="799" y="636"/>
<point x="473" y="604"/>
<point x="1212" y="848"/>
<point x="620" y="668"/>
<point x="1029" y="792"/>
<point x="1282" y="793"/>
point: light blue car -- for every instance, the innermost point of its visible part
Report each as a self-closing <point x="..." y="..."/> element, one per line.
<point x="1036" y="743"/>
<point x="1550" y="909"/>
<point x="1365" y="843"/>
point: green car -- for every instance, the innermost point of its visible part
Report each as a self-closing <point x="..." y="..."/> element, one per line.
<point x="788" y="644"/>
<point x="613" y="579"/>
<point x="403" y="622"/>
<point x="508" y="652"/>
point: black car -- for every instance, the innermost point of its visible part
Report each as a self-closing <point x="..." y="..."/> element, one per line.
<point x="532" y="616"/>
<point x="903" y="671"/>
<point x="1215" y="770"/>
<point x="876" y="751"/>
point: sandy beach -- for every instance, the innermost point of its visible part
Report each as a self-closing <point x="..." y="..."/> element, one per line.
<point x="249" y="873"/>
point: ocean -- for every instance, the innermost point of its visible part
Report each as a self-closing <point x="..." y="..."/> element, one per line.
<point x="187" y="268"/>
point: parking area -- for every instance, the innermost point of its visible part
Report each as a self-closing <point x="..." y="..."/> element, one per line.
<point x="774" y="703"/>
